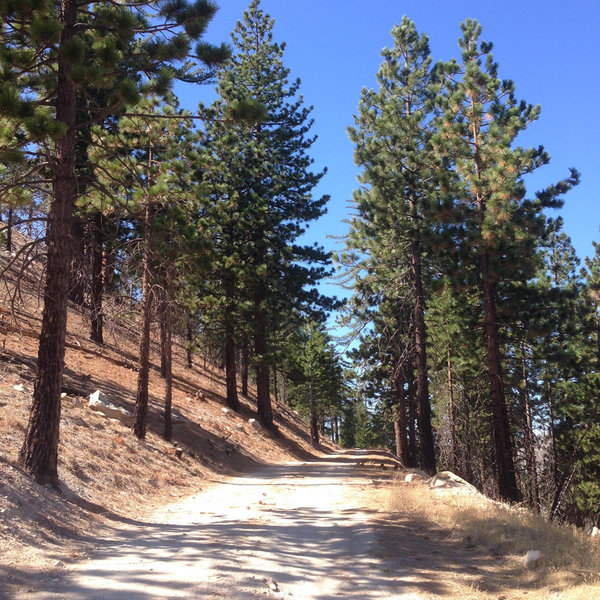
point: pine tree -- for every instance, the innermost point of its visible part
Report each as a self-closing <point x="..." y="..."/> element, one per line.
<point x="48" y="58"/>
<point x="400" y="193"/>
<point x="314" y="376"/>
<point x="263" y="190"/>
<point x="481" y="119"/>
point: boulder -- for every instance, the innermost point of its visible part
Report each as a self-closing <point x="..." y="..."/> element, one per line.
<point x="100" y="403"/>
<point x="595" y="531"/>
<point x="450" y="481"/>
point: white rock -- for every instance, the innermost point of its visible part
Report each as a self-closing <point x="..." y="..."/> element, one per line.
<point x="19" y="387"/>
<point x="449" y="480"/>
<point x="99" y="402"/>
<point x="254" y="423"/>
<point x="595" y="531"/>
<point x="226" y="410"/>
<point x="532" y="558"/>
<point x="410" y="477"/>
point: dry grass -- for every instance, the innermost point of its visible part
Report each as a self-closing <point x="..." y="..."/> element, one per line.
<point x="570" y="569"/>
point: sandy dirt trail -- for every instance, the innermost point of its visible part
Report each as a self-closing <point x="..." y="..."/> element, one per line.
<point x="300" y="530"/>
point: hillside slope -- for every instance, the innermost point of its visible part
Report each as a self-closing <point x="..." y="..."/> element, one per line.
<point x="106" y="474"/>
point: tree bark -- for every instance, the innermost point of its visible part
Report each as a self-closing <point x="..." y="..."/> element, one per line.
<point x="468" y="454"/>
<point x="412" y="416"/>
<point x="97" y="319"/>
<point x="505" y="468"/>
<point x="555" y="476"/>
<point x="245" y="363"/>
<point x="275" y="390"/>
<point x="190" y="341"/>
<point x="400" y="421"/>
<point x="168" y="354"/>
<point x="425" y="429"/>
<point x="230" y="362"/>
<point x="451" y="411"/>
<point x="162" y="316"/>
<point x="39" y="453"/>
<point x="530" y="439"/>
<point x="265" y="411"/>
<point x="314" y="422"/>
<point x="140" y="412"/>
<point x="77" y="275"/>
<point x="9" y="227"/>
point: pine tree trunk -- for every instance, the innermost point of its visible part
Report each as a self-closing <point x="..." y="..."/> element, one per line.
<point x="314" y="422"/>
<point x="230" y="363"/>
<point x="555" y="476"/>
<point x="468" y="454"/>
<point x="30" y="222"/>
<point x="9" y="227"/>
<point x="425" y="430"/>
<point x="285" y="398"/>
<point x="451" y="412"/>
<point x="245" y="366"/>
<point x="530" y="439"/>
<point x="168" y="354"/>
<point x="77" y="275"/>
<point x="162" y="316"/>
<point x="412" y="416"/>
<point x="400" y="424"/>
<point x="190" y="341"/>
<point x="97" y="319"/>
<point x="39" y="453"/>
<point x="265" y="412"/>
<point x="108" y="271"/>
<point x="507" y="482"/>
<point x="275" y="390"/>
<point x="140" y="412"/>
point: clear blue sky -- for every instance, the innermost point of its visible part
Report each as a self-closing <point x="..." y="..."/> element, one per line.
<point x="550" y="49"/>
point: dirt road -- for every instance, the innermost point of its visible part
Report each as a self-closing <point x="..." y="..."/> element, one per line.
<point x="301" y="530"/>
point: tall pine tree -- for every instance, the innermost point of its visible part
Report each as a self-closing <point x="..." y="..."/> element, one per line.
<point x="398" y="201"/>
<point x="477" y="130"/>
<point x="264" y="185"/>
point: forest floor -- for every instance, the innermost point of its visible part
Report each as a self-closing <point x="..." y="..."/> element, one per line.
<point x="242" y="513"/>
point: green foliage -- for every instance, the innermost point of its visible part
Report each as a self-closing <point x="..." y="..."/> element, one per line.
<point x="443" y="176"/>
<point x="349" y="425"/>
<point x="315" y="373"/>
<point x="258" y="179"/>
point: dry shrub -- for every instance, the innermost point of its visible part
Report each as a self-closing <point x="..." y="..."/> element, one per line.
<point x="571" y="563"/>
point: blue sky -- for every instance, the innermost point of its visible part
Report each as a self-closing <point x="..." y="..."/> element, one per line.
<point x="550" y="49"/>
